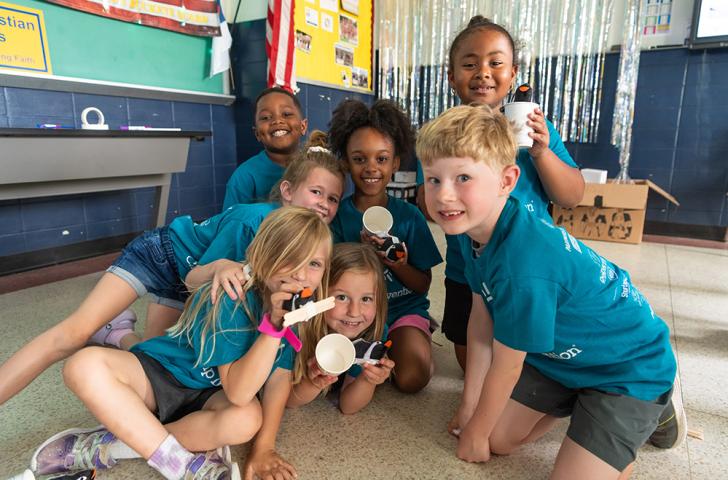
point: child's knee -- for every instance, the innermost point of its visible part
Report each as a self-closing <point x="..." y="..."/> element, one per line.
<point x="502" y="445"/>
<point x="242" y="423"/>
<point x="412" y="377"/>
<point x="78" y="366"/>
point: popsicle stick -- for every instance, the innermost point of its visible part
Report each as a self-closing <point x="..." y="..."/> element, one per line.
<point x="307" y="311"/>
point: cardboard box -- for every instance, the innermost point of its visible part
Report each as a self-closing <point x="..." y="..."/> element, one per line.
<point x="612" y="212"/>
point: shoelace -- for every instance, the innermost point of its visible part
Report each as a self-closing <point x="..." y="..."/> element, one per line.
<point x="85" y="448"/>
<point x="212" y="468"/>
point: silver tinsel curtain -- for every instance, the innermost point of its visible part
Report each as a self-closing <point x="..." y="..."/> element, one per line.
<point x="561" y="43"/>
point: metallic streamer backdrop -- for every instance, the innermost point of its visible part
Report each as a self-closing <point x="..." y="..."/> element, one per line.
<point x="561" y="54"/>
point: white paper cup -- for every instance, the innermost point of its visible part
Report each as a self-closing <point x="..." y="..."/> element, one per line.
<point x="378" y="221"/>
<point x="335" y="354"/>
<point x="517" y="114"/>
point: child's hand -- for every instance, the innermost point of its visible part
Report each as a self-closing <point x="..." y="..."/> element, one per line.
<point x="379" y="373"/>
<point x="540" y="134"/>
<point x="277" y="298"/>
<point x="268" y="464"/>
<point x="230" y="276"/>
<point x="459" y="420"/>
<point x="473" y="447"/>
<point x="319" y="379"/>
<point x="377" y="242"/>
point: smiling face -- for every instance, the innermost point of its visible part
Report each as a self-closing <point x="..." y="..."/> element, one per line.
<point x="308" y="276"/>
<point x="355" y="304"/>
<point x="321" y="192"/>
<point x="279" y="125"/>
<point x="483" y="70"/>
<point x="465" y="196"/>
<point x="371" y="160"/>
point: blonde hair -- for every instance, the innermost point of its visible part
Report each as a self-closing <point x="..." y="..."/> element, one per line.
<point x="474" y="131"/>
<point x="286" y="240"/>
<point x="347" y="257"/>
<point x="315" y="154"/>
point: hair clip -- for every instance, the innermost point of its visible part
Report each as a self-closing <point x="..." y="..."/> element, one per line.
<point x="317" y="148"/>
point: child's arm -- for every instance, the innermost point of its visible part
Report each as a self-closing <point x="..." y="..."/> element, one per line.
<point x="357" y="394"/>
<point x="263" y="461"/>
<point x="413" y="278"/>
<point x="501" y="378"/>
<point x="310" y="385"/>
<point x="563" y="183"/>
<point x="480" y="351"/>
<point x="223" y="273"/>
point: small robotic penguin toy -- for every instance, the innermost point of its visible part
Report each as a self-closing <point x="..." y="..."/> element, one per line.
<point x="393" y="248"/>
<point x="370" y="352"/>
<point x="298" y="300"/>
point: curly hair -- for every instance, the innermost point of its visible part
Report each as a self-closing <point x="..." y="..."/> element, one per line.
<point x="384" y="116"/>
<point x="479" y="23"/>
<point x="280" y="90"/>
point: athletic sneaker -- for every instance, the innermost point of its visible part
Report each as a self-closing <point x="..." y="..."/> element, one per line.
<point x="124" y="321"/>
<point x="672" y="427"/>
<point x="74" y="449"/>
<point x="213" y="465"/>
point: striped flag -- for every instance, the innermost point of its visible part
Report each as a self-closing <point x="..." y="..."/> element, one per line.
<point x="279" y="37"/>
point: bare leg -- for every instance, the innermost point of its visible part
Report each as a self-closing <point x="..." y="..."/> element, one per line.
<point x="218" y="423"/>
<point x="518" y="425"/>
<point x="113" y="386"/>
<point x="412" y="355"/>
<point x="461" y="353"/>
<point x="574" y="460"/>
<point x="109" y="298"/>
<point x="159" y="319"/>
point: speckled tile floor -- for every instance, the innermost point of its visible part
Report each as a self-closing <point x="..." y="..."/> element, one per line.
<point x="404" y="437"/>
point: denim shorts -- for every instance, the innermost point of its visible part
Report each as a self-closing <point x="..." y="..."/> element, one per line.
<point x="147" y="263"/>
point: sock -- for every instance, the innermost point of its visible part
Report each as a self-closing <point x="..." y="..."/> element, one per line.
<point x="114" y="338"/>
<point x="121" y="451"/>
<point x="170" y="459"/>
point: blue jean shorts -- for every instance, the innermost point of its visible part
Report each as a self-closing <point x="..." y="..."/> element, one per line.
<point x="148" y="265"/>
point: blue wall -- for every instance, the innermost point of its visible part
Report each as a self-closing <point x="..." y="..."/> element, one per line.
<point x="35" y="224"/>
<point x="680" y="136"/>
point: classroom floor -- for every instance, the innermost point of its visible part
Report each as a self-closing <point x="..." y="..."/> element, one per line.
<point x="404" y="436"/>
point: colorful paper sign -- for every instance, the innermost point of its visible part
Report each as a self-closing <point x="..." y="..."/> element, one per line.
<point x="23" y="39"/>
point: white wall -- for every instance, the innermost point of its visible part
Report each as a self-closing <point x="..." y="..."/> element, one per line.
<point x="249" y="9"/>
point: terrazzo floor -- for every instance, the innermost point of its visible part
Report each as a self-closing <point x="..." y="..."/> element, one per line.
<point x="400" y="436"/>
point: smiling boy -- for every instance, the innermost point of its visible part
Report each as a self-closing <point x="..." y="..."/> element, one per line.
<point x="555" y="329"/>
<point x="279" y="126"/>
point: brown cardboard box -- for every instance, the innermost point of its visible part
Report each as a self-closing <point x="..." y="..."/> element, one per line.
<point x="613" y="212"/>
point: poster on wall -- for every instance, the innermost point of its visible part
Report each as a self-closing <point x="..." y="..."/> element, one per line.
<point x="334" y="42"/>
<point x="194" y="17"/>
<point x="23" y="40"/>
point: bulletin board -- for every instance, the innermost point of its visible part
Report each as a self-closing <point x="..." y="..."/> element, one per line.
<point x="333" y="42"/>
<point x="93" y="48"/>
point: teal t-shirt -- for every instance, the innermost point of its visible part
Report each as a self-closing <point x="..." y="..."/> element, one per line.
<point x="235" y="335"/>
<point x="410" y="227"/>
<point x="226" y="235"/>
<point x="529" y="191"/>
<point x="579" y="317"/>
<point x="252" y="181"/>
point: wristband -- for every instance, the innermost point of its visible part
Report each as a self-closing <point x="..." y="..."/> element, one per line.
<point x="269" y="329"/>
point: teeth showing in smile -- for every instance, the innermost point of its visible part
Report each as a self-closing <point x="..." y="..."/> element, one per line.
<point x="371" y="180"/>
<point x="350" y="324"/>
<point x="279" y="133"/>
<point x="451" y="213"/>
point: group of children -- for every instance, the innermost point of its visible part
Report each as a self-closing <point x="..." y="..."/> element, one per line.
<point x="543" y="326"/>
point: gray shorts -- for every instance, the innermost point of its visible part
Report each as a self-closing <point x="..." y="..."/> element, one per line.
<point x="174" y="400"/>
<point x="611" y="426"/>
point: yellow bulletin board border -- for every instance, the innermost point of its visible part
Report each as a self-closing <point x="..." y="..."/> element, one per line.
<point x="38" y="14"/>
<point x="328" y="55"/>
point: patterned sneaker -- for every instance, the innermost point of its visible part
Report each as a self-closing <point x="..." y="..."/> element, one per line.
<point x="124" y="321"/>
<point x="672" y="427"/>
<point x="74" y="449"/>
<point x="217" y="465"/>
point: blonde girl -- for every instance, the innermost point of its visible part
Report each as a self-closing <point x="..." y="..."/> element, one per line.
<point x="195" y="389"/>
<point x="360" y="311"/>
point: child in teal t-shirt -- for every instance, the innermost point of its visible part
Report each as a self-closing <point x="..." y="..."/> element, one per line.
<point x="371" y="142"/>
<point x="204" y="376"/>
<point x="555" y="329"/>
<point x="357" y="284"/>
<point x="482" y="69"/>
<point x="279" y="126"/>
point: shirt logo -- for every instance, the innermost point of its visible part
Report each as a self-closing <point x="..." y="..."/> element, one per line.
<point x="486" y="292"/>
<point x="567" y="354"/>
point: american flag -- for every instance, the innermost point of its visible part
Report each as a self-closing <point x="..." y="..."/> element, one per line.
<point x="279" y="37"/>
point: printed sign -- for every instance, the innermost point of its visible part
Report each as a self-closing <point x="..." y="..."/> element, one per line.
<point x="23" y="40"/>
